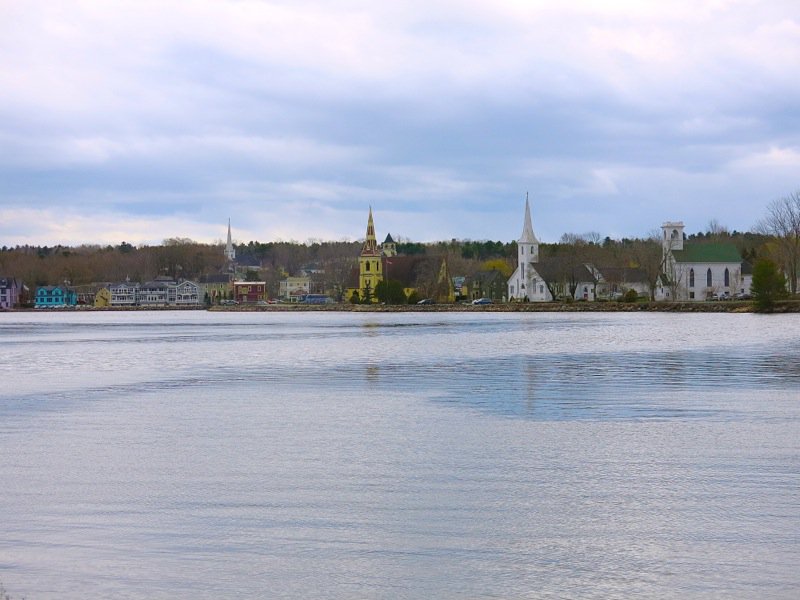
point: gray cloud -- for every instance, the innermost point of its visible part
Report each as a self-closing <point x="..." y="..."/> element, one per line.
<point x="291" y="118"/>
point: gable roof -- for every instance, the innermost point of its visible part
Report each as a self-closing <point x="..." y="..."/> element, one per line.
<point x="554" y="269"/>
<point x="708" y="253"/>
<point x="623" y="274"/>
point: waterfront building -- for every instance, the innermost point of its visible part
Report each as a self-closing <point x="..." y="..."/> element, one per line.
<point x="249" y="292"/>
<point x="187" y="293"/>
<point x="124" y="293"/>
<point x="700" y="271"/>
<point x="614" y="282"/>
<point x="215" y="287"/>
<point x="294" y="288"/>
<point x="423" y="275"/>
<point x="543" y="280"/>
<point x="486" y="284"/>
<point x="102" y="297"/>
<point x="11" y="290"/>
<point x="370" y="263"/>
<point x="55" y="296"/>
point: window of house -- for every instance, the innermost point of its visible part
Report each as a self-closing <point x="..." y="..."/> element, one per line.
<point x="727" y="278"/>
<point x="691" y="277"/>
<point x="708" y="278"/>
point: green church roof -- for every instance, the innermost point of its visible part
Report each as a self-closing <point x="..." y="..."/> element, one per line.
<point x="708" y="253"/>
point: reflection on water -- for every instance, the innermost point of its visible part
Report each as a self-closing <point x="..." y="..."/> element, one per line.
<point x="402" y="456"/>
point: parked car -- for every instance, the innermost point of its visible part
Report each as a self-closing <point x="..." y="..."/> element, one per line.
<point x="228" y="302"/>
<point x="481" y="301"/>
<point x="743" y="296"/>
<point x="426" y="301"/>
<point x="721" y="296"/>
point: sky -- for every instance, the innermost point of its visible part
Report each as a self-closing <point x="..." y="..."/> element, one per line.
<point x="144" y="120"/>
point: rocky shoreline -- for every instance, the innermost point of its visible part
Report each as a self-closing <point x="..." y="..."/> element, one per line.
<point x="677" y="307"/>
<point x="786" y="306"/>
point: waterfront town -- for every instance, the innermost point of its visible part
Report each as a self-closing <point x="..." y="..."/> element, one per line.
<point x="668" y="267"/>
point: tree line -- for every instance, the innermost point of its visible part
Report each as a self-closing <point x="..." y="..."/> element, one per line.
<point x="330" y="264"/>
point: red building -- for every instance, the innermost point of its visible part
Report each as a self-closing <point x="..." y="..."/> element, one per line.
<point x="249" y="292"/>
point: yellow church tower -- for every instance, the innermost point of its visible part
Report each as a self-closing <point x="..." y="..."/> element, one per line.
<point x="370" y="263"/>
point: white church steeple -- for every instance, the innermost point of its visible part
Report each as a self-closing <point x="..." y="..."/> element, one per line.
<point x="230" y="253"/>
<point x="527" y="244"/>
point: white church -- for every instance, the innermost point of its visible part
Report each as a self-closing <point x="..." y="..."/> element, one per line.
<point x="538" y="281"/>
<point x="704" y="271"/>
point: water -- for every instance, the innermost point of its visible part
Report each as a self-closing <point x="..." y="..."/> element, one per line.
<point x="318" y="455"/>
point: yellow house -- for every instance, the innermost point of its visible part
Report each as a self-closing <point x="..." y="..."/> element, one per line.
<point x="102" y="298"/>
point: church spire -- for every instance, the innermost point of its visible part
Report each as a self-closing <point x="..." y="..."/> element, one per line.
<point x="371" y="243"/>
<point x="528" y="236"/>
<point x="230" y="253"/>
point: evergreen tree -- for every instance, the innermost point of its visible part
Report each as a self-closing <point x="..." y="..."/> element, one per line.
<point x="769" y="284"/>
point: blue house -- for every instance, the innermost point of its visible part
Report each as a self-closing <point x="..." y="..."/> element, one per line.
<point x="55" y="296"/>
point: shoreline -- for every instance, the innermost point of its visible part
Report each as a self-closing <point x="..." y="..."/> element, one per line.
<point x="782" y="307"/>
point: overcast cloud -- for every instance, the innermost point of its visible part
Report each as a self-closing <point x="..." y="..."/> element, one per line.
<point x="139" y="121"/>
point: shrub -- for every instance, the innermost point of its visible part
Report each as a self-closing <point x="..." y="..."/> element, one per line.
<point x="630" y="296"/>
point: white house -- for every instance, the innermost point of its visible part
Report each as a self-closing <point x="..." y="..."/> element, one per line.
<point x="187" y="293"/>
<point x="124" y="293"/>
<point x="698" y="271"/>
<point x="295" y="287"/>
<point x="613" y="282"/>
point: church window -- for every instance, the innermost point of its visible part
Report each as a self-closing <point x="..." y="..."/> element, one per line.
<point x="727" y="278"/>
<point x="367" y="269"/>
<point x="691" y="277"/>
<point x="541" y="289"/>
<point x="708" y="278"/>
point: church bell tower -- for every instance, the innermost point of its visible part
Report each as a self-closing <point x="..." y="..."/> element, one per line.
<point x="370" y="263"/>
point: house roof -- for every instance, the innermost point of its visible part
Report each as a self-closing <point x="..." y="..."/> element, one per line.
<point x="623" y="274"/>
<point x="708" y="253"/>
<point x="216" y="278"/>
<point x="488" y="277"/>
<point x="554" y="269"/>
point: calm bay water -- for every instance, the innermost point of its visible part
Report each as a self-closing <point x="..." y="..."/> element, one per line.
<point x="325" y="455"/>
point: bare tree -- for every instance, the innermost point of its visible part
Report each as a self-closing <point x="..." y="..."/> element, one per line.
<point x="716" y="229"/>
<point x="783" y="222"/>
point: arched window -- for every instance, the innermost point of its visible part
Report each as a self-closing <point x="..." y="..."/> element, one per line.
<point x="691" y="277"/>
<point x="727" y="278"/>
<point x="708" y="278"/>
<point x="367" y="269"/>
